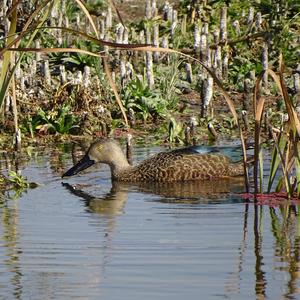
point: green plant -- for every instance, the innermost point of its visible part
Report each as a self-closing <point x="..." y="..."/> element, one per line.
<point x="169" y="80"/>
<point x="75" y="60"/>
<point x="175" y="132"/>
<point x="144" y="101"/>
<point x="32" y="27"/>
<point x="240" y="68"/>
<point x="229" y="122"/>
<point x="59" y="121"/>
<point x="13" y="185"/>
<point x="154" y="102"/>
<point x="18" y="181"/>
<point x="283" y="18"/>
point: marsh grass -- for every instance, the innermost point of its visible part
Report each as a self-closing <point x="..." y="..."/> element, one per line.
<point x="285" y="140"/>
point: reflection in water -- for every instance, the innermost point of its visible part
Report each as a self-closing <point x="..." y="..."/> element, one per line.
<point x="110" y="204"/>
<point x="260" y="282"/>
<point x="9" y="239"/>
<point x="233" y="285"/>
<point x="286" y="232"/>
<point x="174" y="192"/>
<point x="285" y="229"/>
<point x="194" y="191"/>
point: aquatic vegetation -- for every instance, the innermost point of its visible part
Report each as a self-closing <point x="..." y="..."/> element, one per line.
<point x="175" y="132"/>
<point x="285" y="139"/>
<point x="169" y="80"/>
<point x="15" y="183"/>
<point x="143" y="100"/>
<point x="75" y="60"/>
<point x="62" y="121"/>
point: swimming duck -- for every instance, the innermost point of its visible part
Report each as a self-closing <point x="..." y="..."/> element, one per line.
<point x="177" y="165"/>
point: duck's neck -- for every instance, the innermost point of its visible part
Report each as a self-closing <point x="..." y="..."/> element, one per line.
<point x="119" y="164"/>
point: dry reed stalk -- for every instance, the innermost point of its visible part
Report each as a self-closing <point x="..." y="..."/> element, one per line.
<point x="265" y="64"/>
<point x="156" y="42"/>
<point x="258" y="21"/>
<point x="62" y="74"/>
<point x="46" y="72"/>
<point x="149" y="62"/>
<point x="203" y="47"/>
<point x="129" y="149"/>
<point x="154" y="8"/>
<point x="223" y="25"/>
<point x="225" y="65"/>
<point x="187" y="135"/>
<point x="197" y="38"/>
<point x="123" y="71"/>
<point x="237" y="28"/>
<point x="173" y="22"/>
<point x="250" y="16"/>
<point x="86" y="78"/>
<point x="148" y="10"/>
<point x="188" y="72"/>
<point x="206" y="94"/>
<point x="217" y="62"/>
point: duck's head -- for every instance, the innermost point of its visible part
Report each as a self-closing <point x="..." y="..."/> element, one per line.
<point x="104" y="151"/>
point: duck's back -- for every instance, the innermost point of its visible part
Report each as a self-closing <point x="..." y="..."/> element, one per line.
<point x="182" y="165"/>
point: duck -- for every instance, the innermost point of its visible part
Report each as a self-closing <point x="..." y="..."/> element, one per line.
<point x="183" y="164"/>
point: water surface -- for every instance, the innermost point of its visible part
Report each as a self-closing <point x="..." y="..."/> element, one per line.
<point x="82" y="238"/>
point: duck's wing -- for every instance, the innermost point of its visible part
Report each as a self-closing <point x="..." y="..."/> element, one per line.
<point x="234" y="152"/>
<point x="181" y="165"/>
<point x="192" y="150"/>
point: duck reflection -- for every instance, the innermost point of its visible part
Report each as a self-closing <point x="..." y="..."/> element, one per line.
<point x="194" y="191"/>
<point x="113" y="202"/>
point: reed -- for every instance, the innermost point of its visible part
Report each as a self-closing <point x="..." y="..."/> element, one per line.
<point x="285" y="153"/>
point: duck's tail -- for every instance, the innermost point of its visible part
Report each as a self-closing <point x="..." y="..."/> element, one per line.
<point x="237" y="168"/>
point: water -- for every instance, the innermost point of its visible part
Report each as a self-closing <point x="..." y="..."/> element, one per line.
<point x="81" y="238"/>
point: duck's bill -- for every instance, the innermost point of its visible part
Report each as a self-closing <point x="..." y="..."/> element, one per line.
<point x="83" y="164"/>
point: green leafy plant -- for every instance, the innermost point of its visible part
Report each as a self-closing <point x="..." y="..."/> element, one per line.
<point x="75" y="60"/>
<point x="13" y="185"/>
<point x="18" y="181"/>
<point x="144" y="101"/>
<point x="169" y="80"/>
<point x="240" y="68"/>
<point x="175" y="132"/>
<point x="61" y="121"/>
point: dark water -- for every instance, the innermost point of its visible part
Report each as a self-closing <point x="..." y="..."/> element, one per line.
<point x="81" y="238"/>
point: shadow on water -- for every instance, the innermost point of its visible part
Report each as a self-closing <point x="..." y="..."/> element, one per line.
<point x="266" y="260"/>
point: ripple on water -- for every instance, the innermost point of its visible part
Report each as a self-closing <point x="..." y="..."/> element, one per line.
<point x="141" y="242"/>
